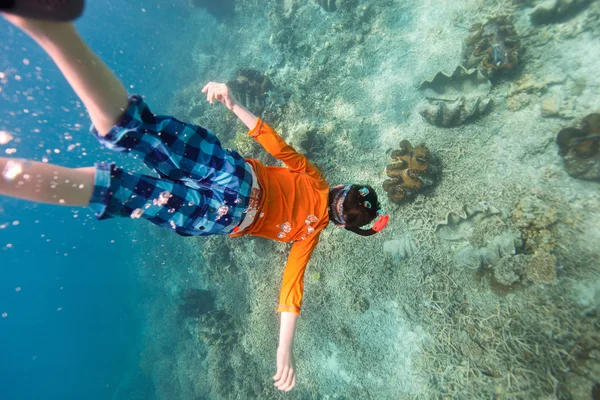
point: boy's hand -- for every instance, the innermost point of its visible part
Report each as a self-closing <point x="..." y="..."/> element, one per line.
<point x="285" y="378"/>
<point x="219" y="91"/>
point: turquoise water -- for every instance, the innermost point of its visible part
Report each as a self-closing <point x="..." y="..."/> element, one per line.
<point x="69" y="285"/>
<point x="484" y="285"/>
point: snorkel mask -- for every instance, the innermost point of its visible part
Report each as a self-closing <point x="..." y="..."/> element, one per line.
<point x="337" y="211"/>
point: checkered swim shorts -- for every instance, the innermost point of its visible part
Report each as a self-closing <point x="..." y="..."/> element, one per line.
<point x="201" y="189"/>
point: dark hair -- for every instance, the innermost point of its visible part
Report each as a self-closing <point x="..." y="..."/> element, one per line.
<point x="356" y="206"/>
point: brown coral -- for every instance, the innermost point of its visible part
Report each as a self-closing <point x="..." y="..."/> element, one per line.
<point x="541" y="268"/>
<point x="216" y="328"/>
<point x="409" y="172"/>
<point x="250" y="87"/>
<point x="493" y="46"/>
<point x="580" y="147"/>
<point x="536" y="220"/>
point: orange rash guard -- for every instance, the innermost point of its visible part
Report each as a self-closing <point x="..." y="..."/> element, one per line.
<point x="295" y="197"/>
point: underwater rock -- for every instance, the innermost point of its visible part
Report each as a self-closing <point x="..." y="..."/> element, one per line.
<point x="549" y="11"/>
<point x="196" y="303"/>
<point x="220" y="9"/>
<point x="216" y="328"/>
<point x="409" y="172"/>
<point x="456" y="98"/>
<point x="250" y="88"/>
<point x="399" y="249"/>
<point x="493" y="46"/>
<point x="580" y="148"/>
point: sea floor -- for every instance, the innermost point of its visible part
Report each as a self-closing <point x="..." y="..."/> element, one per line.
<point x="422" y="319"/>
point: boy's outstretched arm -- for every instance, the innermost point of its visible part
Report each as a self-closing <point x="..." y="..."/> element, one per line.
<point x="220" y="92"/>
<point x="285" y="378"/>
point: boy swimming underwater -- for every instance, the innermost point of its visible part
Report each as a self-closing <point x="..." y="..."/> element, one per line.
<point x="200" y="188"/>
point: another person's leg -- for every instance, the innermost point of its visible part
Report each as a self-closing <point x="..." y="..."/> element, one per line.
<point x="99" y="89"/>
<point x="46" y="183"/>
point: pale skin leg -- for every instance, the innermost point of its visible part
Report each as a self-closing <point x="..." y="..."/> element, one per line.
<point x="99" y="89"/>
<point x="47" y="183"/>
<point x="95" y="84"/>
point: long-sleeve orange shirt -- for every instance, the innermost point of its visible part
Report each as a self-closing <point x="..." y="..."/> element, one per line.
<point x="293" y="207"/>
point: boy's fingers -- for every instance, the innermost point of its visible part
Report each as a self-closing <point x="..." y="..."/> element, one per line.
<point x="284" y="376"/>
<point x="292" y="384"/>
<point x="288" y="381"/>
<point x="277" y="375"/>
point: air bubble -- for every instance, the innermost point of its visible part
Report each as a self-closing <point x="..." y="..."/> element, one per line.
<point x="286" y="227"/>
<point x="311" y="219"/>
<point x="310" y="230"/>
<point x="12" y="169"/>
<point x="5" y="137"/>
<point x="238" y="201"/>
<point x="281" y="235"/>
<point x="222" y="210"/>
<point x="163" y="198"/>
<point x="4" y="314"/>
<point x="137" y="213"/>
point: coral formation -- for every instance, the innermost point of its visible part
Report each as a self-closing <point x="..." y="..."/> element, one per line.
<point x="251" y="87"/>
<point x="548" y="11"/>
<point x="456" y="98"/>
<point x="216" y="328"/>
<point x="536" y="221"/>
<point x="493" y="46"/>
<point x="196" y="303"/>
<point x="312" y="143"/>
<point x="580" y="148"/>
<point x="410" y="172"/>
<point x="528" y="88"/>
<point x="538" y="268"/>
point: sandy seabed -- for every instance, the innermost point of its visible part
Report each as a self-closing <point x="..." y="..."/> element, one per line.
<point x="416" y="320"/>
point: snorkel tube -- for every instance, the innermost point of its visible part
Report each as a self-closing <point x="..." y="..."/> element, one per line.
<point x="379" y="224"/>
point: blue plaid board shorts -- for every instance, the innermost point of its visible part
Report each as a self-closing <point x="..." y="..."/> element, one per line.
<point x="201" y="189"/>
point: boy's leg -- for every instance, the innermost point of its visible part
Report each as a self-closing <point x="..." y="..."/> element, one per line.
<point x="46" y="183"/>
<point x="99" y="89"/>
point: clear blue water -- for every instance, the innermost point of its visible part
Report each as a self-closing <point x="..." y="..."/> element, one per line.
<point x="74" y="321"/>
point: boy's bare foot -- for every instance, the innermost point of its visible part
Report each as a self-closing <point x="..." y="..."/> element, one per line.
<point x="48" y="10"/>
